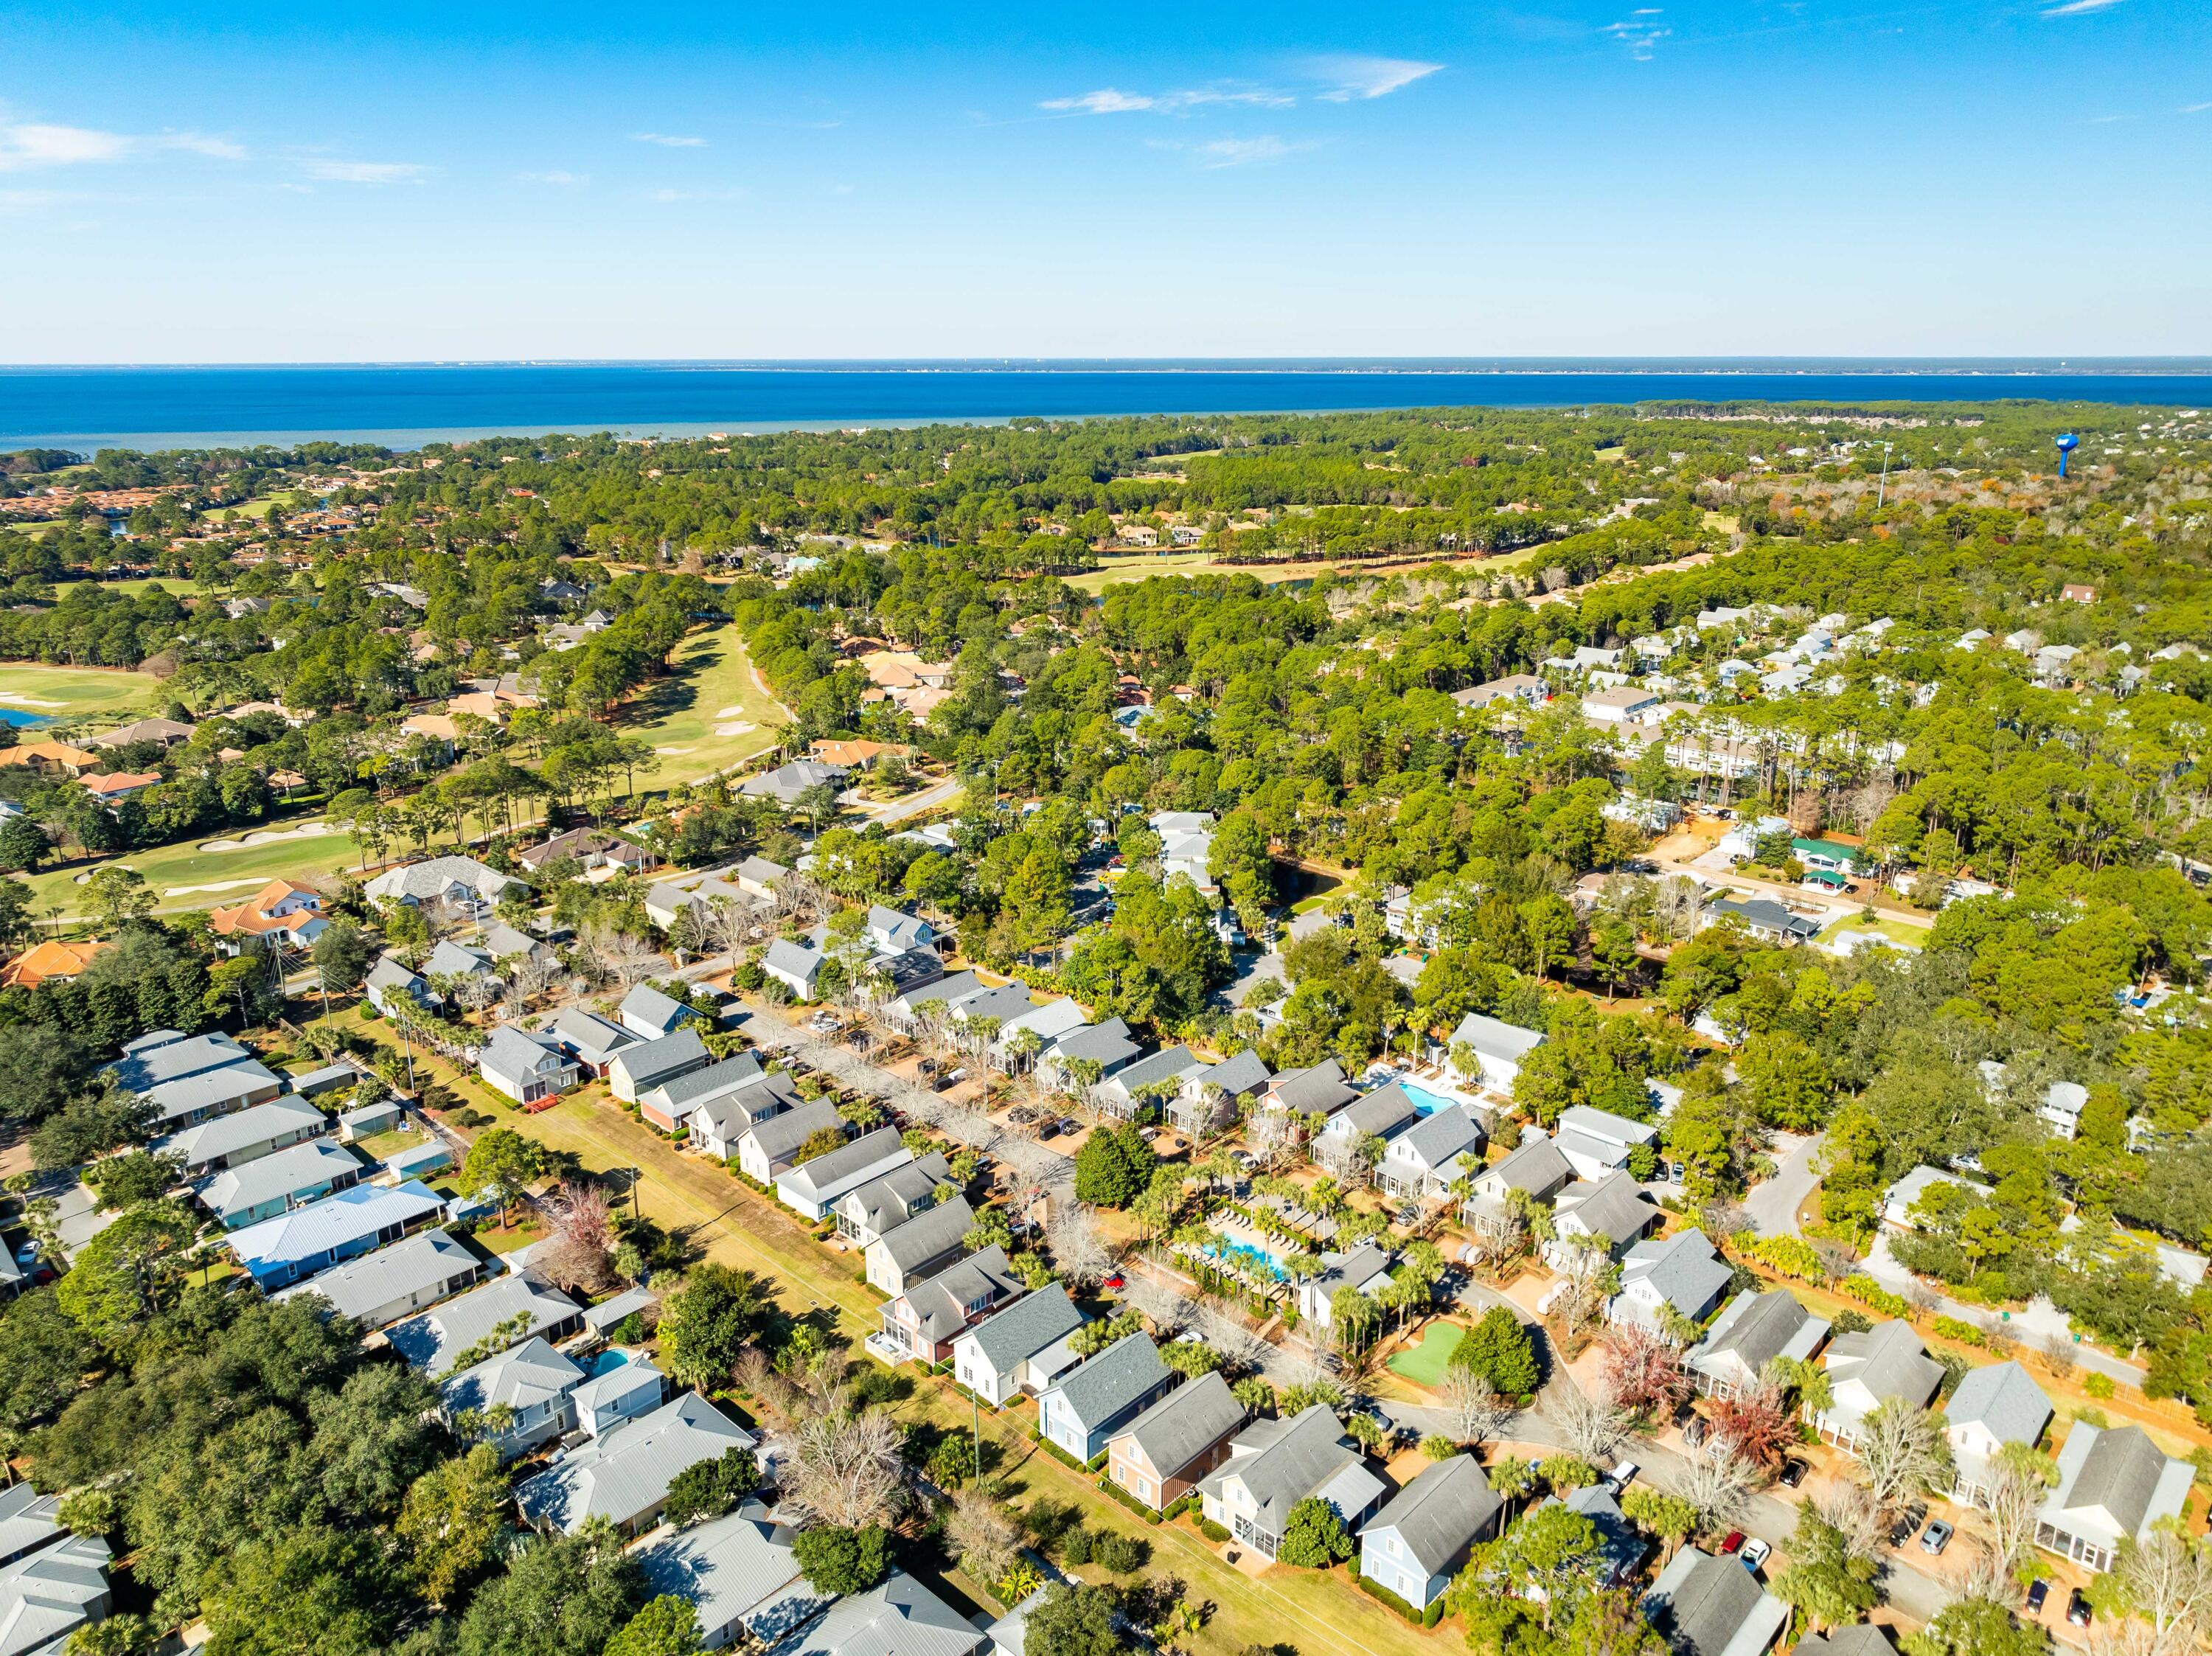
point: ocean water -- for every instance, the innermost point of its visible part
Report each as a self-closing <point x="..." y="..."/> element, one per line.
<point x="409" y="404"/>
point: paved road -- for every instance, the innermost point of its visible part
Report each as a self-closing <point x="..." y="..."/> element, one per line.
<point x="2034" y="1323"/>
<point x="927" y="799"/>
<point x="1776" y="1205"/>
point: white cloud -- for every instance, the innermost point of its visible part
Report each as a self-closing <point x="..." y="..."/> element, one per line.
<point x="2195" y="109"/>
<point x="666" y="195"/>
<point x="365" y="172"/>
<point x="1106" y="101"/>
<point x="2077" y="8"/>
<point x="22" y="201"/>
<point x="33" y="143"/>
<point x="1352" y="76"/>
<point x="201" y="143"/>
<point x="1243" y="152"/>
<point x="1641" y="32"/>
<point x="554" y="177"/>
<point x="669" y="140"/>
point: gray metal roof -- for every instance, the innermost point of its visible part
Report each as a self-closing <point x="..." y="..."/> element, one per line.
<point x="737" y="1569"/>
<point x="2002" y="1398"/>
<point x="310" y="1165"/>
<point x="28" y="1520"/>
<point x="1441" y="1514"/>
<point x="408" y="1267"/>
<point x="609" y="1312"/>
<point x="242" y="1130"/>
<point x="1864" y="1640"/>
<point x="727" y="1075"/>
<point x="174" y="1059"/>
<point x="1040" y="1318"/>
<point x="337" y="1220"/>
<point x="1109" y="1043"/>
<point x="1186" y="1422"/>
<point x="1354" y="1269"/>
<point x="591" y="1034"/>
<point x="188" y="1094"/>
<point x="520" y="1377"/>
<point x="46" y="1595"/>
<point x="930" y="1235"/>
<point x="1494" y="1038"/>
<point x="619" y="1382"/>
<point x="431" y="1341"/>
<point x="898" y="1617"/>
<point x="627" y="1472"/>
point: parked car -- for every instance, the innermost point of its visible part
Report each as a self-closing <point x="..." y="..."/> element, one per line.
<point x="2037" y="1592"/>
<point x="925" y="1066"/>
<point x="1622" y="1476"/>
<point x="1674" y="1172"/>
<point x="950" y="1078"/>
<point x="1148" y="1134"/>
<point x="1793" y="1473"/>
<point x="2077" y="1609"/>
<point x="1755" y="1554"/>
<point x="1936" y="1537"/>
<point x="1051" y="1130"/>
<point x="1244" y="1159"/>
<point x="1115" y="1283"/>
<point x="1734" y="1544"/>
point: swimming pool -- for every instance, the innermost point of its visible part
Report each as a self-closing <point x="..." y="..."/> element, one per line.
<point x="1246" y="1257"/>
<point x="1425" y="1101"/>
<point x="607" y="1362"/>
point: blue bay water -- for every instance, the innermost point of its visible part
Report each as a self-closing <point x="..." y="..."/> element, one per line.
<point x="405" y="405"/>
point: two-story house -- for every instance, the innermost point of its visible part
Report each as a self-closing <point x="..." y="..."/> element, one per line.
<point x="884" y="1203"/>
<point x="1681" y="1275"/>
<point x="1366" y="1268"/>
<point x="1868" y="1369"/>
<point x="1421" y="1541"/>
<point x="920" y="1248"/>
<point x="1084" y="1406"/>
<point x="1159" y="1456"/>
<point x="1751" y="1331"/>
<point x="529" y="1384"/>
<point x="763" y="1147"/>
<point x="811" y="1188"/>
<point x="1023" y="1348"/>
<point x="922" y="1323"/>
<point x="1273" y="1464"/>
<point x="1993" y="1405"/>
<point x="1423" y="1160"/>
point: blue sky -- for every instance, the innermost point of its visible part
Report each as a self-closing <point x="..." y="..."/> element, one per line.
<point x="235" y="183"/>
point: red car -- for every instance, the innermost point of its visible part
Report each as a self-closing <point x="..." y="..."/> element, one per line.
<point x="1734" y="1544"/>
<point x="1116" y="1282"/>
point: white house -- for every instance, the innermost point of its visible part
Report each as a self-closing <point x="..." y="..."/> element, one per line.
<point x="1273" y="1464"/>
<point x="1751" y="1331"/>
<point x="811" y="1188"/>
<point x="1429" y="1155"/>
<point x="525" y="1066"/>
<point x="1995" y="1404"/>
<point x="1597" y="1142"/>
<point x="1499" y="1050"/>
<point x="918" y="1249"/>
<point x="1023" y="1348"/>
<point x="1366" y="1268"/>
<point x="2114" y="1484"/>
<point x="1681" y="1274"/>
<point x="1865" y="1370"/>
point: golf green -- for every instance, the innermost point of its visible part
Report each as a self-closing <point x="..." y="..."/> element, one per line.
<point x="1424" y="1364"/>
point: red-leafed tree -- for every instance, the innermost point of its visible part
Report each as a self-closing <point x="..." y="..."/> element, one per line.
<point x="1756" y="1425"/>
<point x="1644" y="1373"/>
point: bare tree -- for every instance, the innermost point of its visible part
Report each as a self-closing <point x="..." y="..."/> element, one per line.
<point x="1164" y="1307"/>
<point x="1477" y="1412"/>
<point x="1717" y="1483"/>
<point x="621" y="956"/>
<point x="578" y="1252"/>
<point x="528" y="976"/>
<point x="984" y="1538"/>
<point x="1592" y="1427"/>
<point x="1678" y="904"/>
<point x="2056" y="1351"/>
<point x="1903" y="1453"/>
<point x="725" y="926"/>
<point x="1271" y="1135"/>
<point x="2167" y="1578"/>
<point x="1588" y="1274"/>
<point x="1079" y="1250"/>
<point x="841" y="1469"/>
<point x="1852" y="1511"/>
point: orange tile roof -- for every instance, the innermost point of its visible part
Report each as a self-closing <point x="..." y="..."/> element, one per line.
<point x="483" y="703"/>
<point x="252" y="917"/>
<point x="59" y="753"/>
<point x="49" y="959"/>
<point x="121" y="781"/>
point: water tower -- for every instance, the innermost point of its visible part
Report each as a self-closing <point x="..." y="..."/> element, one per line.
<point x="2068" y="442"/>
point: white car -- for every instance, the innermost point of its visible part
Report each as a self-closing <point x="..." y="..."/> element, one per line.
<point x="1622" y="1476"/>
<point x="1755" y="1554"/>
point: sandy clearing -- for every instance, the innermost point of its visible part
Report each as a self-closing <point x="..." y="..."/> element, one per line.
<point x="676" y="750"/>
<point x="737" y="729"/>
<point x="42" y="702"/>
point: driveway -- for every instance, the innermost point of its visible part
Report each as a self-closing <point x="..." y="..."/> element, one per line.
<point x="914" y="805"/>
<point x="1777" y="1206"/>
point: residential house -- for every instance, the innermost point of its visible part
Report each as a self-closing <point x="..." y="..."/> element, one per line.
<point x="527" y="1067"/>
<point x="1537" y="1168"/>
<point x="1382" y="1113"/>
<point x="452" y="959"/>
<point x="274" y="1184"/>
<point x="1210" y="1096"/>
<point x="622" y="1392"/>
<point x="212" y="1092"/>
<point x="115" y="786"/>
<point x="795" y="962"/>
<point x="1047" y="1021"/>
<point x="1499" y="1049"/>
<point x="1525" y="688"/>
<point x="282" y="912"/>
<point x="593" y="848"/>
<point x="509" y="1308"/>
<point x="248" y="1135"/>
<point x="1421" y="1541"/>
<point x="1861" y="1639"/>
<point x="419" y="1161"/>
<point x="50" y="1593"/>
<point x="1883" y="1364"/>
<point x="624" y="1476"/>
<point x="1085" y="1406"/>
<point x="1703" y="1606"/>
<point x="756" y="876"/>
<point x="51" y="961"/>
<point x="462" y="882"/>
<point x="1108" y="1045"/>
<point x="392" y="985"/>
<point x="885" y="1204"/>
<point x="763" y="1147"/>
<point x="54" y="757"/>
<point x="1366" y="1268"/>
<point x="1597" y="1142"/>
<point x="701" y="897"/>
<point x="786" y="783"/>
<point x="2114" y="1484"/>
<point x="649" y="1014"/>
<point x="897" y="1617"/>
<point x="1751" y="1331"/>
<point x="380" y="1288"/>
<point x="1617" y="707"/>
<point x="1321" y="1090"/>
<point x="589" y="1038"/>
<point x="370" y="1120"/>
<point x="1621" y="1545"/>
<point x="1427" y="1157"/>
<point x="1020" y="1348"/>
<point x="1900" y="1203"/>
<point x="636" y="1071"/>
<point x="905" y="1009"/>
<point x="911" y="1253"/>
<point x="529" y="1383"/>
<point x="352" y="1221"/>
<point x="503" y="943"/>
<point x="1679" y="1277"/>
<point x="672" y="1104"/>
<point x="1614" y="1208"/>
<point x="922" y="1323"/>
<point x="1273" y="1464"/>
<point x="1159" y="1456"/>
<point x="28" y="1521"/>
<point x="812" y="1188"/>
<point x="740" y="1572"/>
<point x="1762" y="918"/>
<point x="1995" y="1404"/>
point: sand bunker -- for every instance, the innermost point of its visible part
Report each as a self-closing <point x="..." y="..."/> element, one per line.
<point x="267" y="836"/>
<point x="731" y="712"/>
<point x="220" y="885"/>
<point x="676" y="750"/>
<point x="42" y="701"/>
<point x="737" y="729"/>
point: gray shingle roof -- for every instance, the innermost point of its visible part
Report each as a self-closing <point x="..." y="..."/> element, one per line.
<point x="1109" y="1043"/>
<point x="928" y="1235"/>
<point x="1889" y="1360"/>
<point x="2002" y="1398"/>
<point x="1163" y="1066"/>
<point x="1244" y="1073"/>
<point x="2118" y="1473"/>
<point x="685" y="1090"/>
<point x="1354" y="1269"/>
<point x="779" y="1135"/>
<point x="650" y="1063"/>
<point x="655" y="1008"/>
<point x="1757" y="1328"/>
<point x="735" y="1569"/>
<point x="1186" y="1422"/>
<point x="1376" y="1115"/>
<point x="428" y="879"/>
<point x="1614" y="1207"/>
<point x="627" y="1472"/>
<point x="1701" y="1604"/>
<point x="176" y="1059"/>
<point x="898" y="1617"/>
<point x="898" y="1195"/>
<point x="940" y="1304"/>
<point x="458" y="960"/>
<point x="1040" y="1318"/>
<point x="1864" y="1640"/>
<point x="1441" y="1514"/>
<point x="1436" y="1139"/>
<point x="1538" y="1167"/>
<point x="825" y="1172"/>
<point x="1300" y="1457"/>
<point x="515" y="1054"/>
<point x="590" y="1035"/>
<point x="1314" y="1091"/>
<point x="1684" y="1269"/>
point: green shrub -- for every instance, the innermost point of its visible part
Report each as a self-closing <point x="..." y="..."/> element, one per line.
<point x="1211" y="1530"/>
<point x="1121" y="1554"/>
<point x="2097" y="1385"/>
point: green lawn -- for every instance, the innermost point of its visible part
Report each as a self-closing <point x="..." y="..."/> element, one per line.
<point x="182" y="875"/>
<point x="1424" y="1364"/>
<point x="692" y="718"/>
<point x="75" y="692"/>
<point x="1902" y="932"/>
